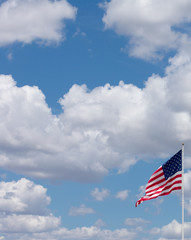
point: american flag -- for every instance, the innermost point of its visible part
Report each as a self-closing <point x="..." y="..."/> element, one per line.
<point x="165" y="179"/>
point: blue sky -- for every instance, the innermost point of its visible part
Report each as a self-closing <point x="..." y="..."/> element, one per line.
<point x="94" y="97"/>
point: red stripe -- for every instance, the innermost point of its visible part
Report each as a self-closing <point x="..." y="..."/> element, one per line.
<point x="159" y="169"/>
<point x="145" y="198"/>
<point x="159" y="186"/>
<point x="162" y="193"/>
<point x="160" y="175"/>
<point x="176" y="188"/>
<point x="155" y="189"/>
<point x="165" y="188"/>
<point x="156" y="183"/>
<point x="168" y="181"/>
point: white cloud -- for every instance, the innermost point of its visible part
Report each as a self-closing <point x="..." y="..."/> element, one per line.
<point x="79" y="33"/>
<point x="92" y="233"/>
<point x="23" y="197"/>
<point x="100" y="195"/>
<point x="26" y="21"/>
<point x="135" y="221"/>
<point x="82" y="210"/>
<point x="157" y="204"/>
<point x="83" y="146"/>
<point x="122" y="195"/>
<point x="99" y="223"/>
<point x="187" y="162"/>
<point x="187" y="185"/>
<point x="172" y="231"/>
<point x="23" y="208"/>
<point x="187" y="191"/>
<point x="10" y="56"/>
<point x="141" y="191"/>
<point x="96" y="233"/>
<point x="28" y="223"/>
<point x="151" y="26"/>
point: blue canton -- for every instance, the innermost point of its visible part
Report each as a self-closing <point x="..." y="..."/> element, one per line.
<point x="173" y="165"/>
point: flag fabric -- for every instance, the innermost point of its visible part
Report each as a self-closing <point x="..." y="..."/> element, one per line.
<point x="165" y="179"/>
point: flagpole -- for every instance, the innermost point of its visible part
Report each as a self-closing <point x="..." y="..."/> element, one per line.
<point x="183" y="191"/>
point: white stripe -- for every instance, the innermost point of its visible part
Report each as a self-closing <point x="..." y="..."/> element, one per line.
<point x="168" y="182"/>
<point x="146" y="197"/>
<point x="165" y="191"/>
<point x="180" y="172"/>
<point x="160" y="189"/>
<point x="158" y="179"/>
<point x="157" y="173"/>
<point x="158" y="194"/>
<point x="162" y="183"/>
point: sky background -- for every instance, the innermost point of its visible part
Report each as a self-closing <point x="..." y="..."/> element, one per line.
<point x="94" y="96"/>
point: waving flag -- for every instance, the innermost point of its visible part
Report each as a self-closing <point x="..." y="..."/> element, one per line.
<point x="165" y="179"/>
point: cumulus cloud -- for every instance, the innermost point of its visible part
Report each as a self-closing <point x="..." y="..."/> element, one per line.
<point x="172" y="231"/>
<point x="23" y="208"/>
<point x="28" y="223"/>
<point x="187" y="191"/>
<point x="100" y="195"/>
<point x="18" y="221"/>
<point x="23" y="197"/>
<point x="26" y="21"/>
<point x="82" y="210"/>
<point x="150" y="26"/>
<point x="109" y="127"/>
<point x="122" y="195"/>
<point x="92" y="233"/>
<point x="187" y="186"/>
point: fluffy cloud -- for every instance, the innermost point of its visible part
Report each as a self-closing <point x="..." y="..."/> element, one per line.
<point x="37" y="20"/>
<point x="187" y="186"/>
<point x="172" y="231"/>
<point x="82" y="210"/>
<point x="110" y="127"/>
<point x="92" y="233"/>
<point x="151" y="26"/>
<point x="23" y="208"/>
<point x="23" y="197"/>
<point x="24" y="215"/>
<point x="28" y="223"/>
<point x="187" y="190"/>
<point x="100" y="195"/>
<point x="122" y="195"/>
